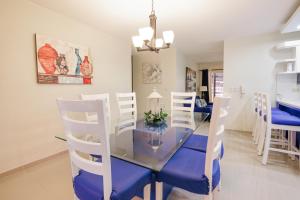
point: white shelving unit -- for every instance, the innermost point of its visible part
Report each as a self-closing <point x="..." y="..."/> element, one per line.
<point x="286" y="77"/>
<point x="285" y="73"/>
<point x="295" y="61"/>
<point x="288" y="44"/>
<point x="286" y="61"/>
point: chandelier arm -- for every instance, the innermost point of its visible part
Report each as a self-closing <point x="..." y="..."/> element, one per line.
<point x="165" y="46"/>
<point x="144" y="49"/>
<point x="150" y="47"/>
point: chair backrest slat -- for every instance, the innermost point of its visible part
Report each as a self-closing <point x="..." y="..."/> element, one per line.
<point x="87" y="147"/>
<point x="76" y="126"/>
<point x="105" y="97"/>
<point x="127" y="105"/>
<point x="182" y="109"/>
<point x="266" y="108"/>
<point x="86" y="165"/>
<point x="255" y="101"/>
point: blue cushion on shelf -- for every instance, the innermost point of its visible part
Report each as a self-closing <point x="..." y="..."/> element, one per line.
<point x="290" y="110"/>
<point x="199" y="143"/>
<point x="127" y="180"/>
<point x="275" y="109"/>
<point x="186" y="170"/>
<point x="285" y="119"/>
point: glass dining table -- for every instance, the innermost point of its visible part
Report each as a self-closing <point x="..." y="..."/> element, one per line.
<point x="150" y="146"/>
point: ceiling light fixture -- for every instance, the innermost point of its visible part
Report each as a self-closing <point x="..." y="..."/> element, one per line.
<point x="147" y="40"/>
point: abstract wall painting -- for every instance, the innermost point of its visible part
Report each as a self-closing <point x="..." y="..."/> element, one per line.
<point x="191" y="80"/>
<point x="152" y="73"/>
<point x="60" y="62"/>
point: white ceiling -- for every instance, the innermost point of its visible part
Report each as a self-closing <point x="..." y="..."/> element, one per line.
<point x="200" y="26"/>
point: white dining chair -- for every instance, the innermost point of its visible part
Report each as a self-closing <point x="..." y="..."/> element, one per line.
<point x="202" y="173"/>
<point x="102" y="170"/>
<point x="278" y="121"/>
<point x="127" y="105"/>
<point x="261" y="125"/>
<point x="182" y="109"/>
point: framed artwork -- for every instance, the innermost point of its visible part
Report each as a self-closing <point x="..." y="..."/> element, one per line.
<point x="191" y="80"/>
<point x="60" y="62"/>
<point x="151" y="73"/>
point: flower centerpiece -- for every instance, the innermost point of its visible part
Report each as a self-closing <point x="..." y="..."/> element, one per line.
<point x="155" y="118"/>
<point x="156" y="115"/>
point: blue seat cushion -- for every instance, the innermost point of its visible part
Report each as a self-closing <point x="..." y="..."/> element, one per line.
<point x="278" y="111"/>
<point x="186" y="170"/>
<point x="285" y="119"/>
<point x="275" y="109"/>
<point x="199" y="143"/>
<point x="127" y="180"/>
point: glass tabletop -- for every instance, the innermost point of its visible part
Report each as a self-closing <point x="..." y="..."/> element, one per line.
<point x="150" y="146"/>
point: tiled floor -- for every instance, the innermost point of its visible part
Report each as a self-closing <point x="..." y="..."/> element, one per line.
<point x="243" y="176"/>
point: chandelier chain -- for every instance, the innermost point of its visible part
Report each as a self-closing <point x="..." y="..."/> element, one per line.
<point x="152" y="11"/>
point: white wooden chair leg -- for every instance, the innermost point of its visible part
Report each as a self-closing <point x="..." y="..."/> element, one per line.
<point x="267" y="146"/>
<point x="147" y="192"/>
<point x="209" y="196"/>
<point x="282" y="136"/>
<point x="289" y="143"/>
<point x="254" y="128"/>
<point x="261" y="141"/>
<point x="257" y="132"/>
<point x="219" y="187"/>
<point x="299" y="161"/>
<point x="293" y="143"/>
<point x="75" y="197"/>
<point x="158" y="190"/>
<point x="220" y="182"/>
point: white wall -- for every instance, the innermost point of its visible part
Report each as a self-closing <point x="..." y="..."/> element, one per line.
<point x="29" y="117"/>
<point x="210" y="66"/>
<point x="251" y="63"/>
<point x="167" y="60"/>
<point x="181" y="64"/>
<point x="173" y="65"/>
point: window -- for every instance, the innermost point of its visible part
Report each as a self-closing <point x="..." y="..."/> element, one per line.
<point x="216" y="83"/>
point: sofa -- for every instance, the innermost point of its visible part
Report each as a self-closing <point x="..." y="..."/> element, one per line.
<point x="207" y="109"/>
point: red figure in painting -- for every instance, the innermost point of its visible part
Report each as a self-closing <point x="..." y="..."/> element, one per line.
<point x="47" y="56"/>
<point x="86" y="68"/>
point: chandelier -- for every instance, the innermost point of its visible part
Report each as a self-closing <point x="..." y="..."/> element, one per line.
<point x="147" y="40"/>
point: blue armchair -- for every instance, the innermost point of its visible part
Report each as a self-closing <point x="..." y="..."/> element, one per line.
<point x="207" y="109"/>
